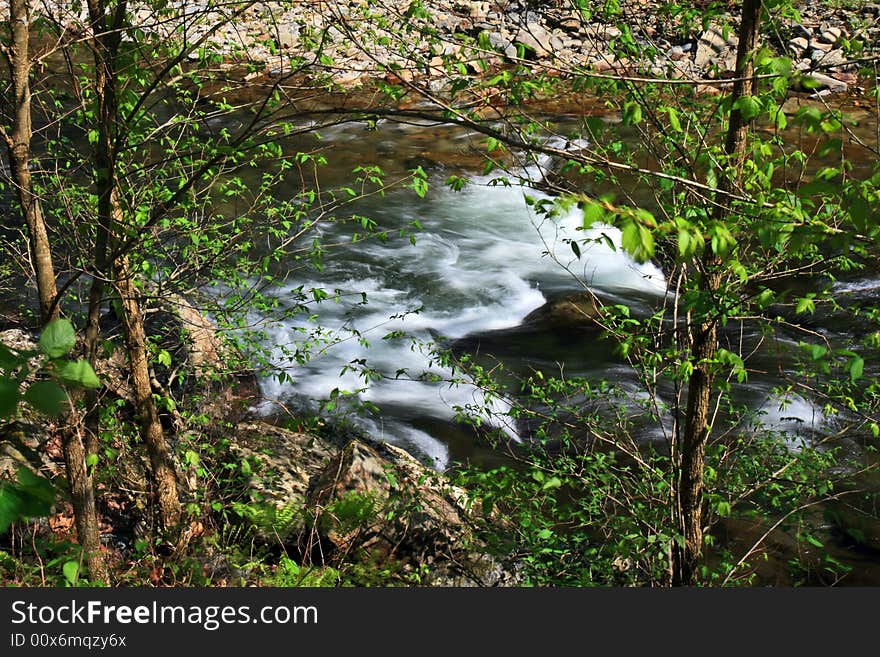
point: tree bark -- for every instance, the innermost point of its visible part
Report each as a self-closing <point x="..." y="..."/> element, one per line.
<point x="79" y="477"/>
<point x="82" y="495"/>
<point x="163" y="471"/>
<point x="704" y="336"/>
<point x="110" y="235"/>
<point x="19" y="145"/>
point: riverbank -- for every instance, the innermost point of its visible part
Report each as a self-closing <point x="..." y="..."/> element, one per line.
<point x="359" y="42"/>
<point x="352" y="44"/>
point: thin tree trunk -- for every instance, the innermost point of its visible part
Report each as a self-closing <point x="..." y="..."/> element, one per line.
<point x="82" y="495"/>
<point x="704" y="336"/>
<point x="110" y="234"/>
<point x="19" y="144"/>
<point x="163" y="470"/>
<point x="79" y="477"/>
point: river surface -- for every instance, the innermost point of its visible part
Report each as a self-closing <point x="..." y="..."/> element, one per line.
<point x="481" y="261"/>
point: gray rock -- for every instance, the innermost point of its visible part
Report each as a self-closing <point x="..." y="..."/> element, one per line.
<point x="797" y="46"/>
<point x="826" y="82"/>
<point x="831" y="59"/>
<point x="364" y="498"/>
<point x="283" y="464"/>
<point x="715" y="50"/>
<point x="677" y="53"/>
<point x="498" y="41"/>
<point x="831" y="35"/>
<point x="799" y="31"/>
<point x="288" y="35"/>
<point x="579" y="309"/>
<point x="538" y="38"/>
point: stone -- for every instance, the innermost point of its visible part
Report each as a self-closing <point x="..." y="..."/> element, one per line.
<point x="537" y="38"/>
<point x="498" y="41"/>
<point x="283" y="464"/>
<point x="288" y="36"/>
<point x="831" y="59"/>
<point x="799" y="31"/>
<point x="831" y="35"/>
<point x="677" y="53"/>
<point x="714" y="50"/>
<point x="797" y="46"/>
<point x="579" y="309"/>
<point x="606" y="32"/>
<point x="833" y="85"/>
<point x="362" y="496"/>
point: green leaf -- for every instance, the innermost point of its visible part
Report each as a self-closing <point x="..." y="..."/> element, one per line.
<point x="637" y="241"/>
<point x="47" y="397"/>
<point x="79" y="373"/>
<point x="813" y="541"/>
<point x="632" y="113"/>
<point x="57" y="338"/>
<point x="9" y="397"/>
<point x="686" y="244"/>
<point x="31" y="496"/>
<point x="576" y="249"/>
<point x="805" y="304"/>
<point x="856" y="368"/>
<point x="593" y="213"/>
<point x="674" y="122"/>
<point x="8" y="360"/>
<point x="91" y="460"/>
<point x="749" y="107"/>
<point x="164" y="358"/>
<point x="71" y="572"/>
<point x="552" y="482"/>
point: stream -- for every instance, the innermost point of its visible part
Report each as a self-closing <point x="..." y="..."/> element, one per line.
<point x="482" y="260"/>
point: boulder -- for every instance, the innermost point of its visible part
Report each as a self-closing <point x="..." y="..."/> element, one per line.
<point x="362" y="498"/>
<point x="574" y="310"/>
<point x="832" y="59"/>
<point x="826" y="82"/>
<point x="716" y="49"/>
<point x="282" y="464"/>
<point x="538" y="39"/>
<point x="798" y="46"/>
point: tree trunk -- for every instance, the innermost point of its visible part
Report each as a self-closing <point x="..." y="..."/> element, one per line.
<point x="19" y="144"/>
<point x="163" y="470"/>
<point x="704" y="336"/>
<point x="79" y="477"/>
<point x="82" y="495"/>
<point x="110" y="221"/>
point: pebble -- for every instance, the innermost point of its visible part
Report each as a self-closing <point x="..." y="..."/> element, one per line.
<point x="561" y="37"/>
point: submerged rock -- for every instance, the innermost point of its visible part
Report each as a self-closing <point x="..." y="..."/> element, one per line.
<point x="573" y="310"/>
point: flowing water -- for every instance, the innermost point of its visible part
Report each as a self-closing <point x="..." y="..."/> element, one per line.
<point x="482" y="260"/>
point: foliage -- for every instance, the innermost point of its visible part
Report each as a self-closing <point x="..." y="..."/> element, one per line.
<point x="221" y="200"/>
